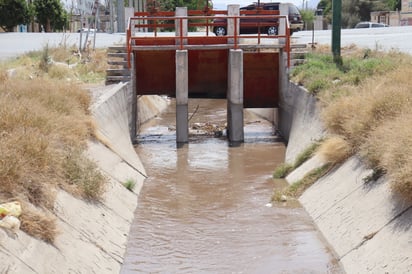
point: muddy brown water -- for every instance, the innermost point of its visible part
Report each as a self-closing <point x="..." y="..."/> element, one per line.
<point x="205" y="206"/>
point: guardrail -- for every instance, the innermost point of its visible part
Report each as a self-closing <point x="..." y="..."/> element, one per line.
<point x="153" y="31"/>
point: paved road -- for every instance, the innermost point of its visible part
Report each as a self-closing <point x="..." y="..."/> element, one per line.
<point x="16" y="43"/>
<point x="399" y="38"/>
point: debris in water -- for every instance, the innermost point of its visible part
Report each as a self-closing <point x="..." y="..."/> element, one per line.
<point x="207" y="129"/>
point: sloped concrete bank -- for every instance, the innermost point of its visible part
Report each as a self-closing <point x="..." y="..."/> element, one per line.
<point x="369" y="228"/>
<point x="93" y="236"/>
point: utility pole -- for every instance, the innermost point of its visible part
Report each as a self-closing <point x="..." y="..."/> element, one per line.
<point x="336" y="29"/>
<point x="111" y="9"/>
<point x="120" y="16"/>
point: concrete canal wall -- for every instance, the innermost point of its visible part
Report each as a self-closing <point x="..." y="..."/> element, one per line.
<point x="92" y="236"/>
<point x="368" y="228"/>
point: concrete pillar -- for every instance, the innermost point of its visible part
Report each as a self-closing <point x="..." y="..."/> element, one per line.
<point x="287" y="102"/>
<point x="181" y="12"/>
<point x="235" y="96"/>
<point x="133" y="131"/>
<point x="232" y="10"/>
<point x="128" y="12"/>
<point x="182" y="97"/>
<point x="284" y="11"/>
<point x="283" y="71"/>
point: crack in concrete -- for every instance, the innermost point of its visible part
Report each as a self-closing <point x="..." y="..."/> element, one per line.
<point x="370" y="236"/>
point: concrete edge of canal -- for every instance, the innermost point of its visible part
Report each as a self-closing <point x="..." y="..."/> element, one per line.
<point x="92" y="237"/>
<point x="368" y="228"/>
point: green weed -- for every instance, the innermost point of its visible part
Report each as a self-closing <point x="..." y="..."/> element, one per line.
<point x="130" y="184"/>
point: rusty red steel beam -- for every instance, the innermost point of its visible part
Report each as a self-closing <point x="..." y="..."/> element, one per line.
<point x="159" y="19"/>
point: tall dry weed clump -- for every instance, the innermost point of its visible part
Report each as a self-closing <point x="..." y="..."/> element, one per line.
<point x="42" y="122"/>
<point x="389" y="147"/>
<point x="375" y="118"/>
<point x="334" y="150"/>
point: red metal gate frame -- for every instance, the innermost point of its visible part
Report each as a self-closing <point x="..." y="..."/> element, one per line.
<point x="204" y="18"/>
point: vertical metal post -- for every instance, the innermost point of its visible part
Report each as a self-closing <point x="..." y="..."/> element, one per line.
<point x="96" y="26"/>
<point x="336" y="29"/>
<point x="81" y="32"/>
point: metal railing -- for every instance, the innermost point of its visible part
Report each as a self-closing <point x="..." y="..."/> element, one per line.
<point x="147" y="31"/>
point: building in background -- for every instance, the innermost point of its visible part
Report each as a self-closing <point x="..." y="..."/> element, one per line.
<point x="101" y="15"/>
<point x="390" y="18"/>
<point x="395" y="18"/>
<point x="406" y="13"/>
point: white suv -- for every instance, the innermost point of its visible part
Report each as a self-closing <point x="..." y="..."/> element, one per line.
<point x="366" y="25"/>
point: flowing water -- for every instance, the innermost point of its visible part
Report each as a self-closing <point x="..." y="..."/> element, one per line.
<point x="205" y="206"/>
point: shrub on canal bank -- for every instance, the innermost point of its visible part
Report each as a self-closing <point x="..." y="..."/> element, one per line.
<point x="284" y="169"/>
<point x="368" y="103"/>
<point x="333" y="150"/>
<point x="44" y="120"/>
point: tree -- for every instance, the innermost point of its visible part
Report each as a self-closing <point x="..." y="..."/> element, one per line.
<point x="354" y="11"/>
<point x="308" y="16"/>
<point x="50" y="14"/>
<point x="394" y="4"/>
<point x="13" y="13"/>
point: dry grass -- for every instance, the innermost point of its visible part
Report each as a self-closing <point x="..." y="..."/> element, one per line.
<point x="61" y="72"/>
<point x="334" y="150"/>
<point x="395" y="156"/>
<point x="93" y="68"/>
<point x="367" y="107"/>
<point x="39" y="224"/>
<point x="62" y="63"/>
<point x="83" y="176"/>
<point x="41" y="122"/>
<point x="44" y="119"/>
<point x="370" y="108"/>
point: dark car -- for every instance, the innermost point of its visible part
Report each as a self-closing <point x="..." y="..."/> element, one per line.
<point x="268" y="24"/>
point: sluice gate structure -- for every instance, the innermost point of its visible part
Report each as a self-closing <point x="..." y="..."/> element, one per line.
<point x="244" y="69"/>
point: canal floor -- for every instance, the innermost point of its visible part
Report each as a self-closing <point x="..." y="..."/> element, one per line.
<point x="205" y="207"/>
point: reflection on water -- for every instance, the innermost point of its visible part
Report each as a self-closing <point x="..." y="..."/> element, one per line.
<point x="203" y="207"/>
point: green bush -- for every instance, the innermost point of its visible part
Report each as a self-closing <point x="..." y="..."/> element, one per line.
<point x="282" y="170"/>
